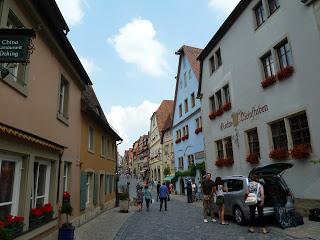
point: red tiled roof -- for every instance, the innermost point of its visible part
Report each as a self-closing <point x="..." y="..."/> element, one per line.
<point x="164" y="115"/>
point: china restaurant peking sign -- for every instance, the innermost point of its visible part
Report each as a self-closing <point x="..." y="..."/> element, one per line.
<point x="242" y="116"/>
<point x="16" y="45"/>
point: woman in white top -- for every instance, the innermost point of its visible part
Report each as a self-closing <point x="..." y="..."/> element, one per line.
<point x="220" y="189"/>
<point x="255" y="187"/>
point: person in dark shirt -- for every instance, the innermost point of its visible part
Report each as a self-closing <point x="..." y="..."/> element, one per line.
<point x="158" y="187"/>
<point x="208" y="189"/>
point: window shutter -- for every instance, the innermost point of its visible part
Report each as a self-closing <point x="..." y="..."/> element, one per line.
<point x="95" y="189"/>
<point x="83" y="190"/>
<point x="105" y="184"/>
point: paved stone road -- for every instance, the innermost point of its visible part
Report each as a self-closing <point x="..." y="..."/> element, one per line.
<point x="182" y="221"/>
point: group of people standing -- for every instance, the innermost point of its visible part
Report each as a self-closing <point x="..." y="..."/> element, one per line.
<point x="213" y="193"/>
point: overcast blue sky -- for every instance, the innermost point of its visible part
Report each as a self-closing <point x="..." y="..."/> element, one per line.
<point x="128" y="49"/>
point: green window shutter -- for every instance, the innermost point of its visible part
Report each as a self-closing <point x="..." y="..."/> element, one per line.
<point x="95" y="188"/>
<point x="83" y="190"/>
<point x="105" y="184"/>
<point x="110" y="184"/>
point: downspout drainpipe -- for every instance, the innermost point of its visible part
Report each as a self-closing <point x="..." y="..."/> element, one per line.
<point x="59" y="173"/>
<point x="117" y="177"/>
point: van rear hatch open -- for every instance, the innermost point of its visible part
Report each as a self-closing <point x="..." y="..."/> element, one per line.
<point x="276" y="169"/>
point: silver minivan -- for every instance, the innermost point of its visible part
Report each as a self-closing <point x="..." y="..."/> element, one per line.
<point x="275" y="188"/>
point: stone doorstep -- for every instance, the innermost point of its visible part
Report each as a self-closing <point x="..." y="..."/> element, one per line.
<point x="309" y="229"/>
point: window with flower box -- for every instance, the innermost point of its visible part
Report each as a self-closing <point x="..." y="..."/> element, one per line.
<point x="253" y="141"/>
<point x="299" y="129"/>
<point x="187" y="131"/>
<point x="226" y="94"/>
<point x="198" y="123"/>
<point x="212" y="104"/>
<point x="10" y="175"/>
<point x="268" y="65"/>
<point x="219" y="99"/>
<point x="228" y="146"/>
<point x="41" y="183"/>
<point x="259" y="13"/>
<point x="193" y="100"/>
<point x="284" y="54"/>
<point x="273" y="5"/>
<point x="219" y="145"/>
<point x="279" y="135"/>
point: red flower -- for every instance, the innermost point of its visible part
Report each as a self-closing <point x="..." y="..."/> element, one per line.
<point x="224" y="162"/>
<point x="178" y="140"/>
<point x="253" y="158"/>
<point x="66" y="196"/>
<point x="18" y="219"/>
<point x="279" y="154"/>
<point x="212" y="115"/>
<point x="37" y="212"/>
<point x="285" y="72"/>
<point x="47" y="208"/>
<point x="198" y="130"/>
<point x="220" y="162"/>
<point x="2" y="224"/>
<point x="227" y="106"/>
<point x="268" y="81"/>
<point x="300" y="151"/>
<point x="10" y="219"/>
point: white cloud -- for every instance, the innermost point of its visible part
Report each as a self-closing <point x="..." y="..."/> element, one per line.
<point x="72" y="10"/>
<point x="131" y="122"/>
<point x="88" y="65"/>
<point x="223" y="5"/>
<point x="136" y="43"/>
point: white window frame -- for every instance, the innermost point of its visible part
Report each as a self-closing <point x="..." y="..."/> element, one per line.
<point x="47" y="184"/>
<point x="16" y="184"/>
<point x="88" y="186"/>
<point x="66" y="176"/>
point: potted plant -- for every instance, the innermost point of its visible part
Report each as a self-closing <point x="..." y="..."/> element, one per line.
<point x="227" y="106"/>
<point x="14" y="225"/>
<point x="212" y="115"/>
<point x="219" y="112"/>
<point x="253" y="158"/>
<point x="66" y="231"/>
<point x="268" y="81"/>
<point x="300" y="151"/>
<point x="279" y="154"/>
<point x="228" y="162"/>
<point x="220" y="162"/>
<point x="124" y="202"/>
<point x="285" y="73"/>
<point x="198" y="130"/>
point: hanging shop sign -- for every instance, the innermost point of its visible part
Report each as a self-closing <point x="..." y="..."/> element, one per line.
<point x="16" y="45"/>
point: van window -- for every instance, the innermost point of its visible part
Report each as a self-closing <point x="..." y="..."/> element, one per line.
<point x="234" y="185"/>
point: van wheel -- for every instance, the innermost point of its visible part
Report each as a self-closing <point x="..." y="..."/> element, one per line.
<point x="238" y="215"/>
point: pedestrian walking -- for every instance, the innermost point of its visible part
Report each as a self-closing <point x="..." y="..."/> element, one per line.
<point x="171" y="188"/>
<point x="167" y="184"/>
<point x="220" y="189"/>
<point x="194" y="190"/>
<point x="189" y="191"/>
<point x="163" y="195"/>
<point x="147" y="196"/>
<point x="208" y="189"/>
<point x="158" y="189"/>
<point x="139" y="198"/>
<point x="257" y="189"/>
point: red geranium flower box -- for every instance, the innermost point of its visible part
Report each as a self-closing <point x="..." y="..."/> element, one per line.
<point x="285" y="73"/>
<point x="253" y="158"/>
<point x="198" y="130"/>
<point x="178" y="140"/>
<point x="224" y="162"/>
<point x="183" y="138"/>
<point x="279" y="154"/>
<point x="219" y="112"/>
<point x="220" y="162"/>
<point x="227" y="106"/>
<point x="300" y="151"/>
<point x="268" y="81"/>
<point x="212" y="115"/>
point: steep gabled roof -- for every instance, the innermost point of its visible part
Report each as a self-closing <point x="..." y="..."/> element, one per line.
<point x="91" y="106"/>
<point x="192" y="55"/>
<point x="164" y="115"/>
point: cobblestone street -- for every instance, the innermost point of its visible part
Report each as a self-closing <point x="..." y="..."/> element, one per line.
<point x="181" y="221"/>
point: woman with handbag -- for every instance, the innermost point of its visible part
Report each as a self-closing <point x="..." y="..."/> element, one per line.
<point x="220" y="189"/>
<point x="255" y="199"/>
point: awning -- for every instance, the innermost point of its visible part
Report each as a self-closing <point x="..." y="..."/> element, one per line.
<point x="168" y="178"/>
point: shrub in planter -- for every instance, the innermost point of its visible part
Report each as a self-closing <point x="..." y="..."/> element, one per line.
<point x="279" y="154"/>
<point x="285" y="73"/>
<point x="300" y="151"/>
<point x="66" y="231"/>
<point x="212" y="115"/>
<point x="268" y="81"/>
<point x="253" y="158"/>
<point x="227" y="106"/>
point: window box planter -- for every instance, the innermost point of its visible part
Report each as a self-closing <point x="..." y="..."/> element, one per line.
<point x="40" y="216"/>
<point x="12" y="227"/>
<point x="224" y="162"/>
<point x="178" y="141"/>
<point x="253" y="158"/>
<point x="285" y="73"/>
<point x="300" y="151"/>
<point x="268" y="81"/>
<point x="183" y="138"/>
<point x="219" y="112"/>
<point x="279" y="154"/>
<point x="198" y="130"/>
<point x="227" y="106"/>
<point x="212" y="115"/>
